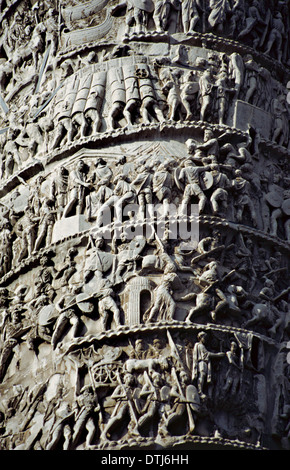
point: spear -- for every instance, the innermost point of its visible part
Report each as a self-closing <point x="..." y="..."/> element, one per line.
<point x="129" y="400"/>
<point x="188" y="409"/>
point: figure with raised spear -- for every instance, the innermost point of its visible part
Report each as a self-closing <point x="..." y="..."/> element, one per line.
<point x="186" y="401"/>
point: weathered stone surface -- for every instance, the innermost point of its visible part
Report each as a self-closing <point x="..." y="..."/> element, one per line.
<point x="145" y="204"/>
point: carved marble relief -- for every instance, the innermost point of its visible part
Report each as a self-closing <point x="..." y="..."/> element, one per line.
<point x="123" y="128"/>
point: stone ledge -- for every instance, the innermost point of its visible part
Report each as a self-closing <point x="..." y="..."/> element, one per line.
<point x="174" y="325"/>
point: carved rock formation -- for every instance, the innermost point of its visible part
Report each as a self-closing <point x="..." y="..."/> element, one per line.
<point x="145" y="230"/>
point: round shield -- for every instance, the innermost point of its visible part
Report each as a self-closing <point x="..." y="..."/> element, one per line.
<point x="165" y="393"/>
<point x="84" y="303"/>
<point x="136" y="246"/>
<point x="286" y="207"/>
<point x="206" y="180"/>
<point x="47" y="315"/>
<point x="274" y="198"/>
<point x="99" y="261"/>
<point x="192" y="397"/>
<point x="191" y="88"/>
<point x="145" y="5"/>
<point x="149" y="261"/>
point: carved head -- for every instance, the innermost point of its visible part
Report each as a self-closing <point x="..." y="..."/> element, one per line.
<point x="157" y="379"/>
<point x="191" y="145"/>
<point x="202" y="336"/>
<point x="208" y="134"/>
<point x="189" y="162"/>
<point x="234" y="347"/>
<point x="129" y="379"/>
<point x="99" y="242"/>
<point x="157" y="343"/>
<point x="139" y="344"/>
<point x="184" y="377"/>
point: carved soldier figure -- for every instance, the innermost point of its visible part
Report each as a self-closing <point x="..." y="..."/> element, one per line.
<point x="116" y="84"/>
<point x="62" y="128"/>
<point x="171" y="89"/>
<point x="86" y="407"/>
<point x="189" y="93"/>
<point x="77" y="188"/>
<point x="238" y="15"/>
<point x="107" y="303"/>
<point x="133" y="99"/>
<point x="93" y="106"/>
<point x="11" y="155"/>
<point x="219" y="10"/>
<point x="250" y="78"/>
<point x="242" y="190"/>
<point x="137" y="14"/>
<point x="150" y="107"/>
<point x="59" y="189"/>
<point x="164" y="304"/>
<point x="35" y="197"/>
<point x="26" y="228"/>
<point x="45" y="278"/>
<point x="31" y="137"/>
<point x="190" y="175"/>
<point x="223" y="91"/>
<point x="127" y="404"/>
<point x="61" y="427"/>
<point x="68" y="268"/>
<point x="142" y="185"/>
<point x="255" y="25"/>
<point x="98" y="260"/>
<point x="52" y="30"/>
<point x="280" y="113"/>
<point x="139" y="351"/>
<point x="202" y="363"/>
<point x="5" y="247"/>
<point x="186" y="403"/>
<point x="233" y="375"/>
<point x="276" y="36"/>
<point x="283" y="209"/>
<point x="205" y="94"/>
<point x="12" y="333"/>
<point x="190" y="15"/>
<point x="123" y="192"/>
<point x="221" y="184"/>
<point x="101" y="180"/>
<point x="162" y="185"/>
<point x="46" y="223"/>
<point x="67" y="315"/>
<point x="128" y="254"/>
<point x="161" y="14"/>
<point x="152" y="391"/>
<point x="210" y="146"/>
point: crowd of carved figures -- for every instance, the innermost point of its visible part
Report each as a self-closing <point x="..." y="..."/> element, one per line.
<point x="222" y="179"/>
<point x="100" y="100"/>
<point x="147" y="388"/>
<point x="192" y="329"/>
<point x="254" y="23"/>
<point x="172" y="88"/>
<point x="211" y="282"/>
<point x="208" y="291"/>
<point x="35" y="27"/>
